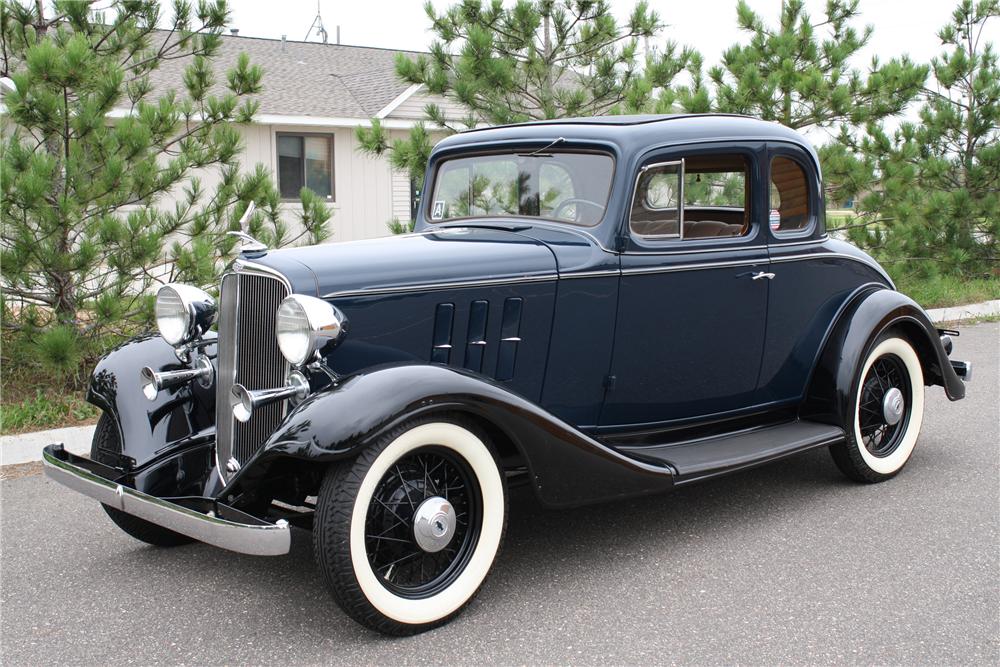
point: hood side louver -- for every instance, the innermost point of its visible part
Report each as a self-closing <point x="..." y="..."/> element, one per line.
<point x="476" y="340"/>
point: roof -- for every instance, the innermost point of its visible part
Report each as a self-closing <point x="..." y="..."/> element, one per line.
<point x="304" y="78"/>
<point x="631" y="133"/>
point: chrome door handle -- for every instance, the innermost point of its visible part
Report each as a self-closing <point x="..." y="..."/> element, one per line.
<point x="763" y="274"/>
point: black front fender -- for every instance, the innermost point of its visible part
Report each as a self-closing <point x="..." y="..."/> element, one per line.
<point x="567" y="467"/>
<point x="871" y="313"/>
<point x="150" y="429"/>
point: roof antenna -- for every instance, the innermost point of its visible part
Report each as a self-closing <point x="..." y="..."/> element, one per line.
<point x="318" y="25"/>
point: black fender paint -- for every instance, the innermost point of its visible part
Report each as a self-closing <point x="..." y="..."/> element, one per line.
<point x="566" y="467"/>
<point x="868" y="315"/>
<point x="176" y="418"/>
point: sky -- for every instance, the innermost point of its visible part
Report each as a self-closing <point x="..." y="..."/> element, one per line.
<point x="901" y="26"/>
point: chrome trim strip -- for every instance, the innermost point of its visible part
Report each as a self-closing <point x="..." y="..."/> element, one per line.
<point x="735" y="247"/>
<point x="428" y="287"/>
<point x="784" y="244"/>
<point x="837" y="255"/>
<point x="692" y="267"/>
<point x="247" y="267"/>
<point x="590" y="274"/>
<point x="256" y="540"/>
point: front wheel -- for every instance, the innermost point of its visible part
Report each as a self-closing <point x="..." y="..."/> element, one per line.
<point x="886" y="411"/>
<point x="406" y="533"/>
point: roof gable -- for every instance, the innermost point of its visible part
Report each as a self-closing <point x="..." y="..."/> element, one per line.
<point x="304" y="78"/>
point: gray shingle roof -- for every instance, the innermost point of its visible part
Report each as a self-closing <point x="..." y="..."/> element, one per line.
<point x="305" y="78"/>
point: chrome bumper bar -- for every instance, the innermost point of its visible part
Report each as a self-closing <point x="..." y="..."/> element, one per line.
<point x="213" y="522"/>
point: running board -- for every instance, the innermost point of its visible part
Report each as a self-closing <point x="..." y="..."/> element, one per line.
<point x="717" y="455"/>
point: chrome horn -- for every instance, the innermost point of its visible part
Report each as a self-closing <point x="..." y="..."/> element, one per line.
<point x="244" y="401"/>
<point x="153" y="383"/>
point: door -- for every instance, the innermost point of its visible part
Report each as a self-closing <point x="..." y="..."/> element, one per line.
<point x="693" y="291"/>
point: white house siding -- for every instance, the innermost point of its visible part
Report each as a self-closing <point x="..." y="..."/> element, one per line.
<point x="363" y="196"/>
<point x="368" y="193"/>
<point x="413" y="107"/>
<point x="400" y="195"/>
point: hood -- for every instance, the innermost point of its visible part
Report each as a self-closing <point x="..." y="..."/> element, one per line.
<point x="447" y="256"/>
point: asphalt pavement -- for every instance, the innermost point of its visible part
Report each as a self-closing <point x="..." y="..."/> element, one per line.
<point x="788" y="563"/>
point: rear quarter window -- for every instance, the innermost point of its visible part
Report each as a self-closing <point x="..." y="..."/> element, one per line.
<point x="791" y="210"/>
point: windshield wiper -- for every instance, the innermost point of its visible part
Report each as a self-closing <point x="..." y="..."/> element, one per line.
<point x="541" y="151"/>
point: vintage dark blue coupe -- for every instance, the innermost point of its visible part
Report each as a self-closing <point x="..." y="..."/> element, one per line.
<point x="598" y="308"/>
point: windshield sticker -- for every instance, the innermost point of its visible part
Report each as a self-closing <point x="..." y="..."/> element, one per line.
<point x="775" y="219"/>
<point x="438" y="212"/>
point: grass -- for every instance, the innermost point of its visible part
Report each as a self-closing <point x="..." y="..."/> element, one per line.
<point x="944" y="291"/>
<point x="46" y="410"/>
<point x="35" y="395"/>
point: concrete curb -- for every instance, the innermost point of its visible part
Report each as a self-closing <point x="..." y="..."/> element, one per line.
<point x="27" y="447"/>
<point x="969" y="312"/>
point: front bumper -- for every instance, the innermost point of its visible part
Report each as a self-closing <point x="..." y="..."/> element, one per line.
<point x="204" y="519"/>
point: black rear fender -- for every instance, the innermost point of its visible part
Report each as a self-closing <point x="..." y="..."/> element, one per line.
<point x="861" y="322"/>
<point x="566" y="466"/>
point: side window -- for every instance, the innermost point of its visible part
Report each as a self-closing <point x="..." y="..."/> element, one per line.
<point x="714" y="189"/>
<point x="790" y="210"/>
<point x="656" y="204"/>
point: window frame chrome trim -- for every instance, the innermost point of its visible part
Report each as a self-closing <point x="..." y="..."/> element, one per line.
<point x="680" y="201"/>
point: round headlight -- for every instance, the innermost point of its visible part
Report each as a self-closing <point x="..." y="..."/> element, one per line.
<point x="305" y="324"/>
<point x="183" y="313"/>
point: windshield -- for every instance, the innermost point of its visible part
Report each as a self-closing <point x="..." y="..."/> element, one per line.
<point x="567" y="187"/>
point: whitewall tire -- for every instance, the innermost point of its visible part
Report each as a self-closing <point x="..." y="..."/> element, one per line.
<point x="407" y="533"/>
<point x="885" y="412"/>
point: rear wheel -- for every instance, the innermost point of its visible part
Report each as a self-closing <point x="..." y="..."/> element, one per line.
<point x="886" y="413"/>
<point x="406" y="534"/>
<point x="106" y="437"/>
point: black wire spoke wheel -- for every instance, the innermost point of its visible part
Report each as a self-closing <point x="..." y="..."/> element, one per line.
<point x="406" y="533"/>
<point x="423" y="522"/>
<point x="883" y="411"/>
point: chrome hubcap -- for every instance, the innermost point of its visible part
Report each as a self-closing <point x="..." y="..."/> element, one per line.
<point x="893" y="406"/>
<point x="434" y="524"/>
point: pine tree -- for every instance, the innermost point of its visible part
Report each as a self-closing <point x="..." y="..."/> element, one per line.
<point x="936" y="207"/>
<point x="800" y="77"/>
<point x="85" y="232"/>
<point x="533" y="60"/>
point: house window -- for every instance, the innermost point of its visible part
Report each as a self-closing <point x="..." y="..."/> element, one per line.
<point x="305" y="160"/>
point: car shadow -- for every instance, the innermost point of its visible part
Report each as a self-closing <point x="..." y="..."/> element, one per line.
<point x="540" y="543"/>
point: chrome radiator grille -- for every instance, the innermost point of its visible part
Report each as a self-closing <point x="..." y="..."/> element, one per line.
<point x="248" y="355"/>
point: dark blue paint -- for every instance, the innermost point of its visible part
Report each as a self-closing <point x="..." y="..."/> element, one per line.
<point x="617" y="335"/>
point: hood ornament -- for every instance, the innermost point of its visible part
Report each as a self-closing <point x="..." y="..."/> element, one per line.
<point x="250" y="246"/>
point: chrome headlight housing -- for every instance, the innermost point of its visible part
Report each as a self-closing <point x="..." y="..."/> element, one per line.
<point x="183" y="313"/>
<point x="305" y="325"/>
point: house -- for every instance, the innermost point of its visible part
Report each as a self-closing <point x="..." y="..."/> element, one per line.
<point x="314" y="97"/>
